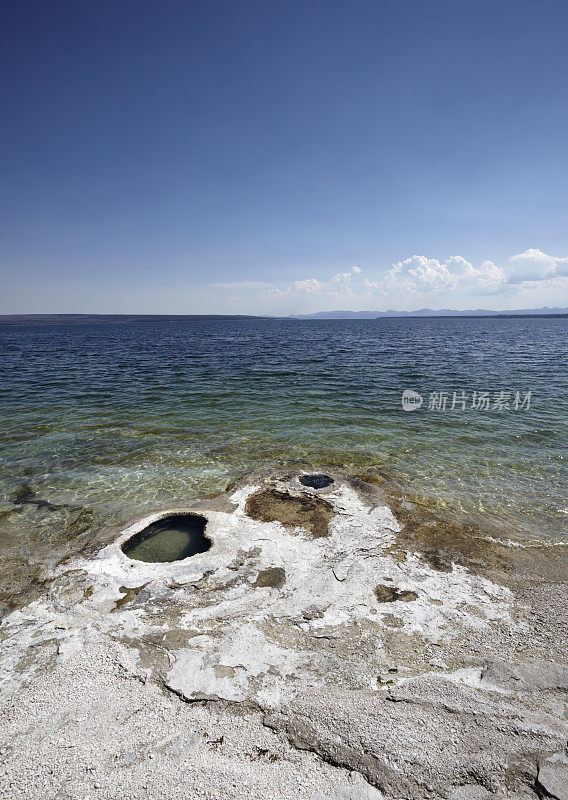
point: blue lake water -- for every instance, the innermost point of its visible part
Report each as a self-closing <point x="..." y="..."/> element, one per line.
<point x="112" y="419"/>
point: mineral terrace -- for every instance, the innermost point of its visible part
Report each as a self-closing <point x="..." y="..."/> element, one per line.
<point x="329" y="644"/>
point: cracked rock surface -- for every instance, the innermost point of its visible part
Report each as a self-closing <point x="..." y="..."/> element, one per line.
<point x="315" y="650"/>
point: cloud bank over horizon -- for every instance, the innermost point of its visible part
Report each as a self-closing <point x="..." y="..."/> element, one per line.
<point x="531" y="277"/>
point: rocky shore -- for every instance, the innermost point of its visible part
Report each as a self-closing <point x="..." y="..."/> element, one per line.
<point x="330" y="643"/>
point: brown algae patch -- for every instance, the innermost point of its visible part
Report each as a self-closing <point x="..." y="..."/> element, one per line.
<point x="443" y="542"/>
<point x="129" y="595"/>
<point x="273" y="577"/>
<point x="388" y="594"/>
<point x="311" y="513"/>
<point x="391" y="621"/>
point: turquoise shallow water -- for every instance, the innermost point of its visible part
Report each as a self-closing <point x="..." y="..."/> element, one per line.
<point x="102" y="421"/>
<point x="169" y="539"/>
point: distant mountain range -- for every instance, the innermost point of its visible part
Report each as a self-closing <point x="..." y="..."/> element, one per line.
<point x="428" y="312"/>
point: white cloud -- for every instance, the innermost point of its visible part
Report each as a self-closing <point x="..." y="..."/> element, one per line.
<point x="418" y="280"/>
<point x="490" y="275"/>
<point x="308" y="285"/>
<point x="430" y="276"/>
<point x="342" y="277"/>
<point x="534" y="265"/>
<point x="420" y="274"/>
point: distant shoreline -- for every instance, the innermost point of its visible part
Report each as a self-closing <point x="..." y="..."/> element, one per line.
<point x="88" y="319"/>
<point x="99" y="319"/>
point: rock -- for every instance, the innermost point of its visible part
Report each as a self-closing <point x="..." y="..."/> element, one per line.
<point x="528" y="677"/>
<point x="471" y="792"/>
<point x="81" y="522"/>
<point x="553" y="776"/>
<point x="22" y="494"/>
<point x="354" y="788"/>
<point x="312" y="612"/>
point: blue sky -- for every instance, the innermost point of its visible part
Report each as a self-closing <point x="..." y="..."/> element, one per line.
<point x="244" y="157"/>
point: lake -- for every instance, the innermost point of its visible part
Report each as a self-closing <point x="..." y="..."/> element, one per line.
<point x="103" y="421"/>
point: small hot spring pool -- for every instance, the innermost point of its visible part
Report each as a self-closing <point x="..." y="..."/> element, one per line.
<point x="169" y="539"/>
